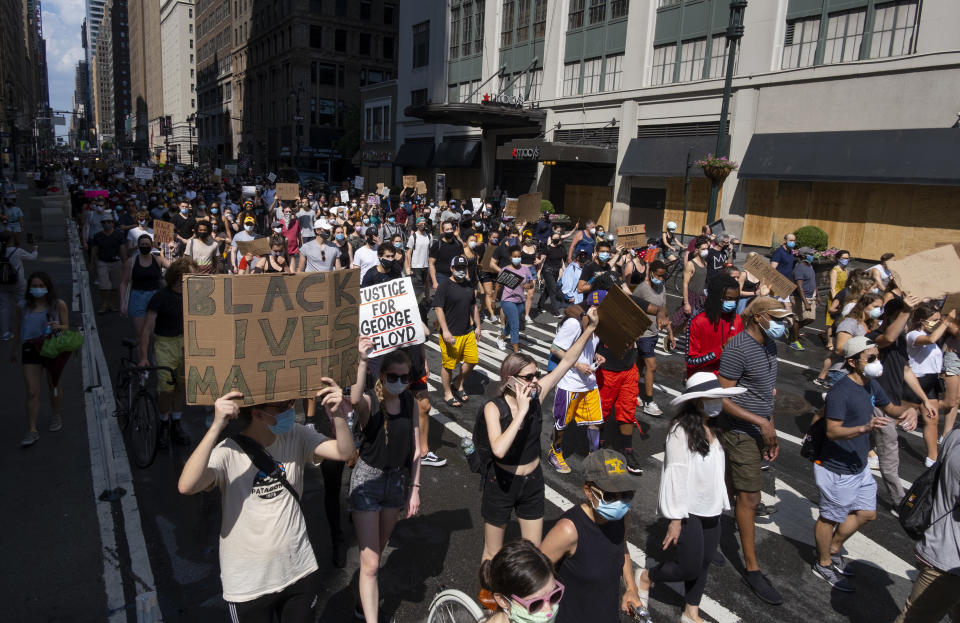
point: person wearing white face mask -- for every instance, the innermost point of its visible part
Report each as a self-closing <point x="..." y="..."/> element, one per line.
<point x="692" y="490"/>
<point x="855" y="406"/>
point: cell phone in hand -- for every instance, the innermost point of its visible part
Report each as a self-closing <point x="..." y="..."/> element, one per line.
<point x="516" y="384"/>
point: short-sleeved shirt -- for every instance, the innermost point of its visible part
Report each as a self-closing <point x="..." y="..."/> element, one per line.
<point x="518" y="293"/>
<point x="805" y="271"/>
<point x="785" y="261"/>
<point x="456" y="300"/>
<point x="651" y="295"/>
<point x="366" y="258"/>
<point x="184" y="225"/>
<point x="320" y="256"/>
<point x="854" y="328"/>
<point x="109" y="245"/>
<point x="599" y="276"/>
<point x="753" y="365"/>
<point x="419" y="244"/>
<point x="716" y="260"/>
<point x="264" y="545"/>
<point x="852" y="404"/>
<point x="444" y="252"/>
<point x="926" y="359"/>
<point x="574" y="380"/>
<point x="894" y="358"/>
<point x="169" y="308"/>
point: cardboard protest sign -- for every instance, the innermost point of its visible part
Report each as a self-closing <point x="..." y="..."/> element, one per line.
<point x="528" y="207"/>
<point x="258" y="246"/>
<point x="621" y="321"/>
<point x="272" y="177"/>
<point x="379" y="186"/>
<point x="510" y="209"/>
<point x="162" y="232"/>
<point x="477" y="203"/>
<point x="373" y="200"/>
<point x="928" y="274"/>
<point x="287" y="191"/>
<point x="780" y="286"/>
<point x="143" y="173"/>
<point x="421" y="188"/>
<point x="952" y="302"/>
<point x="358" y="182"/>
<point x="345" y="196"/>
<point x="409" y="181"/>
<point x="249" y="191"/>
<point x="509" y="279"/>
<point x="390" y="316"/>
<point x="487" y="258"/>
<point x="93" y="194"/>
<point x="384" y="192"/>
<point x="270" y="336"/>
<point x="632" y="236"/>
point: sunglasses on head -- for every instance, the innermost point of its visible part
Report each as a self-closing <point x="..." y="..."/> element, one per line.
<point x="393" y="378"/>
<point x="534" y="604"/>
<point x="533" y="376"/>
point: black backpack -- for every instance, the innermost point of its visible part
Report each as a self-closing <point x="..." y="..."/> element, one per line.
<point x="482" y="457"/>
<point x="8" y="272"/>
<point x="812" y="445"/>
<point x="916" y="507"/>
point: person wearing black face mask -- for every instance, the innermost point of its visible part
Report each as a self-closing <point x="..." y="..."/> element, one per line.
<point x="203" y="249"/>
<point x="141" y="278"/>
<point x="385" y="270"/>
<point x="553" y="255"/>
<point x="109" y="254"/>
<point x="442" y="253"/>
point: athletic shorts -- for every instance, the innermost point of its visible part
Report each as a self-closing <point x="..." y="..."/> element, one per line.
<point x="486" y="277"/>
<point x="619" y="390"/>
<point x="929" y="383"/>
<point x="504" y="493"/>
<point x="168" y="352"/>
<point x="647" y="346"/>
<point x="137" y="305"/>
<point x="580" y="407"/>
<point x="842" y="494"/>
<point x="744" y="459"/>
<point x="296" y="603"/>
<point x="464" y="349"/>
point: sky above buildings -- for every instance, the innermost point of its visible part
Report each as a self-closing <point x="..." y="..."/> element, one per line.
<point x="61" y="29"/>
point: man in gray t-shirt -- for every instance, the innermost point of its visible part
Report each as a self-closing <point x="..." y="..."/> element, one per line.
<point x="319" y="255"/>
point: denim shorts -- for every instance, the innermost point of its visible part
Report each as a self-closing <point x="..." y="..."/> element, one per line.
<point x="951" y="363"/>
<point x="372" y="488"/>
<point x="137" y="306"/>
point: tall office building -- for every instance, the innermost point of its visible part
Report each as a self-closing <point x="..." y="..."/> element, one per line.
<point x="216" y="139"/>
<point x="146" y="75"/>
<point x="179" y="87"/>
<point x="103" y="91"/>
<point x="115" y="21"/>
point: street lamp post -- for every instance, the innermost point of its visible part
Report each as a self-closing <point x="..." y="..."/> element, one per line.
<point x="734" y="34"/>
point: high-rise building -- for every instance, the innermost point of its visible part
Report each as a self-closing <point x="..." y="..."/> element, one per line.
<point x="179" y="87"/>
<point x="115" y="21"/>
<point x="103" y="91"/>
<point x="80" y="121"/>
<point x="597" y="104"/>
<point x="15" y="105"/>
<point x="215" y="103"/>
<point x="94" y="14"/>
<point x="146" y="74"/>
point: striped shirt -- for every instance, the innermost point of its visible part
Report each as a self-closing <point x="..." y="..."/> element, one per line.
<point x="752" y="365"/>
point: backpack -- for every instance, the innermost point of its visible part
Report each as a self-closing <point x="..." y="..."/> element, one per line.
<point x="916" y="507"/>
<point x="8" y="272"/>
<point x="482" y="457"/>
<point x="812" y="445"/>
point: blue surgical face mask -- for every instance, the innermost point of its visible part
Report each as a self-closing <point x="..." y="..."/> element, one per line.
<point x="775" y="330"/>
<point x="38" y="292"/>
<point x="339" y="236"/>
<point x="612" y="511"/>
<point x="516" y="260"/>
<point x="809" y="259"/>
<point x="729" y="306"/>
<point x="843" y="261"/>
<point x="603" y="256"/>
<point x="655" y="281"/>
<point x="390" y="219"/>
<point x="285" y="420"/>
<point x="397" y="245"/>
<point x="791" y="244"/>
<point x="876" y="312"/>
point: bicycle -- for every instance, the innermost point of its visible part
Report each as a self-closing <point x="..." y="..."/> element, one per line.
<point x="136" y="405"/>
<point x="453" y="606"/>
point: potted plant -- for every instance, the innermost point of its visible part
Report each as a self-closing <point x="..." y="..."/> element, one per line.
<point x="716" y="168"/>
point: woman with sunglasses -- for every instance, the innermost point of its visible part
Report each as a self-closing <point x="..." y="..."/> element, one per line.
<point x="692" y="491"/>
<point x="507" y="432"/>
<point x="588" y="545"/>
<point x="386" y="477"/>
<point x="521" y="580"/>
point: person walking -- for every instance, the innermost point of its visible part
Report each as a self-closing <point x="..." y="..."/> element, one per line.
<point x="653" y="296"/>
<point x="141" y="279"/>
<point x="109" y="253"/>
<point x="455" y="305"/>
<point x="692" y="491"/>
<point x="13" y="292"/>
<point x="418" y="255"/>
<point x="927" y="327"/>
<point x="512" y="301"/>
<point x="711" y="329"/>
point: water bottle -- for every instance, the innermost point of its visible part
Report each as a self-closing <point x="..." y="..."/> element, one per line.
<point x="466" y="444"/>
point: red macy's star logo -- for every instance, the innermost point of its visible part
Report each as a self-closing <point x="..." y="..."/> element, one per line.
<point x="486" y="97"/>
<point x="514" y="152"/>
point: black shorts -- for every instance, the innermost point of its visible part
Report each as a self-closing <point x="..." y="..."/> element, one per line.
<point x="30" y="354"/>
<point x="486" y="277"/>
<point x="647" y="346"/>
<point x="504" y="493"/>
<point x="294" y="604"/>
<point x="929" y="383"/>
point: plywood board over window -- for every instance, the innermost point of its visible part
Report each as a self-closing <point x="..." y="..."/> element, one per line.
<point x="588" y="202"/>
<point x="696" y="203"/>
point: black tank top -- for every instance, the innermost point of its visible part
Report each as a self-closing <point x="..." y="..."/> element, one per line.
<point x="526" y="445"/>
<point x="270" y="268"/>
<point x="591" y="576"/>
<point x="146" y="279"/>
<point x="388" y="446"/>
<point x="527" y="259"/>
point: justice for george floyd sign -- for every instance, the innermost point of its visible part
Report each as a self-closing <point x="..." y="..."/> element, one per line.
<point x="271" y="337"/>
<point x="390" y="316"/>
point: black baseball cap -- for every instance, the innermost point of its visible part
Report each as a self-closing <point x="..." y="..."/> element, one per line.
<point x="458" y="262"/>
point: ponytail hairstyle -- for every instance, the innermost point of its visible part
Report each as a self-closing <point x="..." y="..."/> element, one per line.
<point x="519" y="568"/>
<point x="512" y="364"/>
<point x="390" y="359"/>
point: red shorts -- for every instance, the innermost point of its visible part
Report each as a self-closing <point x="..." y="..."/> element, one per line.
<point x="619" y="390"/>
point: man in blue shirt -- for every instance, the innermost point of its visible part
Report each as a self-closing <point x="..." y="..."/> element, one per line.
<point x="855" y="407"/>
<point x="570" y="278"/>
<point x="783" y="260"/>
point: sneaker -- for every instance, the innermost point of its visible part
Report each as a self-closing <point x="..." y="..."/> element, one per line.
<point x="796" y="345"/>
<point x="633" y="466"/>
<point x="556" y="459"/>
<point x="432" y="460"/>
<point x="179" y="436"/>
<point x="652" y="409"/>
<point x="527" y="318"/>
<point x="839" y="564"/>
<point x="762" y="510"/>
<point x="163" y="440"/>
<point x="762" y="588"/>
<point x="873" y="461"/>
<point x="835" y="580"/>
<point x="821" y="383"/>
<point x="500" y="343"/>
<point x="895" y="513"/>
<point x="30" y="438"/>
<point x="7" y="336"/>
<point x="764" y="465"/>
<point x="928" y="462"/>
<point x="56" y="424"/>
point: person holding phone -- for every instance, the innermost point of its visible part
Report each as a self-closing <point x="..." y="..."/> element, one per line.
<point x="508" y="432"/>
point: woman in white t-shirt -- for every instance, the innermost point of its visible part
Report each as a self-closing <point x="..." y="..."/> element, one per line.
<point x="926" y="361"/>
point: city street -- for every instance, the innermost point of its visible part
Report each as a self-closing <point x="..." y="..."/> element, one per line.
<point x="60" y="575"/>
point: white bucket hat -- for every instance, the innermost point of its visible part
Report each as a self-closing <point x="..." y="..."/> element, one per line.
<point x="705" y="385"/>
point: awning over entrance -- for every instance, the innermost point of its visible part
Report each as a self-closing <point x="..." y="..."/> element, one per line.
<point x="919" y="156"/>
<point x="488" y="116"/>
<point x="539" y="151"/>
<point x="456" y="154"/>
<point x="665" y="156"/>
<point x="414" y="155"/>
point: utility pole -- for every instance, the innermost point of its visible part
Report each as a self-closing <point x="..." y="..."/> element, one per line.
<point x="734" y="34"/>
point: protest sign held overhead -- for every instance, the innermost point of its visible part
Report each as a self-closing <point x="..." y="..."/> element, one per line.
<point x="528" y="207"/>
<point x="931" y="274"/>
<point x="621" y="321"/>
<point x="632" y="236"/>
<point x="270" y="336"/>
<point x="409" y="181"/>
<point x="162" y="231"/>
<point x="143" y="173"/>
<point x="421" y="188"/>
<point x="390" y="316"/>
<point x="780" y="286"/>
<point x="288" y="191"/>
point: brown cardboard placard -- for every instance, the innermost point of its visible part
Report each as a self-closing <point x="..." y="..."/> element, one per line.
<point x="510" y="209"/>
<point x="952" y="302"/>
<point x="409" y="181"/>
<point x="528" y="207"/>
<point x="487" y="258"/>
<point x="443" y="204"/>
<point x="379" y="186"/>
<point x="621" y="321"/>
<point x="162" y="232"/>
<point x="780" y="286"/>
<point x="288" y="191"/>
<point x="270" y="336"/>
<point x="258" y="246"/>
<point x="632" y="236"/>
<point x="929" y="274"/>
<point x="421" y="187"/>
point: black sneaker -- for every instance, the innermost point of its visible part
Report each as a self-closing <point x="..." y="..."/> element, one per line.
<point x="835" y="579"/>
<point x="764" y="465"/>
<point x="179" y="436"/>
<point x="163" y="440"/>
<point x="762" y="588"/>
<point x="633" y="466"/>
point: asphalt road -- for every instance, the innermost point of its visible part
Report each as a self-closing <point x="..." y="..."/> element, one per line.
<point x="441" y="547"/>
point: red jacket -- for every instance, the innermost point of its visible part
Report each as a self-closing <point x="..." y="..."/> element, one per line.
<point x="705" y="341"/>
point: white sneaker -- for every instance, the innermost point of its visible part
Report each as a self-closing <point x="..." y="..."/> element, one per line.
<point x="432" y="460"/>
<point x="652" y="409"/>
<point x="928" y="462"/>
<point x="528" y="318"/>
<point x="500" y="344"/>
<point x="873" y="462"/>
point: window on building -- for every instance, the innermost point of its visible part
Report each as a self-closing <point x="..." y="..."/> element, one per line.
<point x="341" y="8"/>
<point x="666" y="3"/>
<point x="364" y="44"/>
<point x="388" y="44"/>
<point x="523" y="21"/>
<point x="613" y="72"/>
<point x="536" y="81"/>
<point x="539" y="19"/>
<point x="591" y="75"/>
<point x="619" y="8"/>
<point x="478" y="20"/>
<point x="191" y="29"/>
<point x="421" y="44"/>
<point x="575" y="19"/>
<point x="571" y="79"/>
<point x="191" y="73"/>
<point x="598" y="11"/>
<point x="453" y="92"/>
<point x="365" y="9"/>
<point x="228" y="92"/>
<point x="844" y="36"/>
<point x="664" y="57"/>
<point x="894" y="29"/>
<point x="191" y="44"/>
<point x="316" y="36"/>
<point x="454" y="33"/>
<point x="418" y="97"/>
<point x="340" y="40"/>
<point x="388" y="11"/>
<point x="506" y="24"/>
<point x="465" y="92"/>
<point x="692" y="54"/>
<point x="376" y="126"/>
<point x="467" y="29"/>
<point x="326" y="112"/>
<point x="327" y="73"/>
<point x="718" y="56"/>
<point x="190" y="13"/>
<point x="800" y="42"/>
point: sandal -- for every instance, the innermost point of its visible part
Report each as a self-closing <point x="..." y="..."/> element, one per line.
<point x="461" y="395"/>
<point x="453" y="402"/>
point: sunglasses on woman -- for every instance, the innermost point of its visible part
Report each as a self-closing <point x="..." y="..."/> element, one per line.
<point x="536" y="603"/>
<point x="529" y="378"/>
<point x="608" y="496"/>
<point x="393" y="378"/>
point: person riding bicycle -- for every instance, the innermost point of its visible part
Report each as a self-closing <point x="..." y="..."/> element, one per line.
<point x="669" y="244"/>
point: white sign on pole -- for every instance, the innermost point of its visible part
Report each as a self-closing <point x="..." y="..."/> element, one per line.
<point x="249" y="191"/>
<point x="143" y="173"/>
<point x="345" y="196"/>
<point x="358" y="182"/>
<point x="389" y="316"/>
<point x="272" y="177"/>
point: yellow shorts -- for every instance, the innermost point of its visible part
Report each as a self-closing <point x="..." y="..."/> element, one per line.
<point x="580" y="407"/>
<point x="464" y="349"/>
<point x="168" y="352"/>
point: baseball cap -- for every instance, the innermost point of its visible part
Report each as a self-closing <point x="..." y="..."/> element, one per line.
<point x="595" y="298"/>
<point x="607" y="469"/>
<point x="806" y="251"/>
<point x="322" y="225"/>
<point x="249" y="219"/>
<point x="766" y="305"/>
<point x="371" y="231"/>
<point x="458" y="262"/>
<point x="857" y="345"/>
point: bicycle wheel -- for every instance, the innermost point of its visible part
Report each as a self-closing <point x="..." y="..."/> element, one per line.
<point x="144" y="432"/>
<point x="453" y="606"/>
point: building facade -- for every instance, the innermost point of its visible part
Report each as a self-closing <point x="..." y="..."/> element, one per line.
<point x="378" y="105"/>
<point x="103" y="86"/>
<point x="146" y="75"/>
<point x="598" y="104"/>
<point x="115" y="22"/>
<point x="216" y="143"/>
<point x="179" y="82"/>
